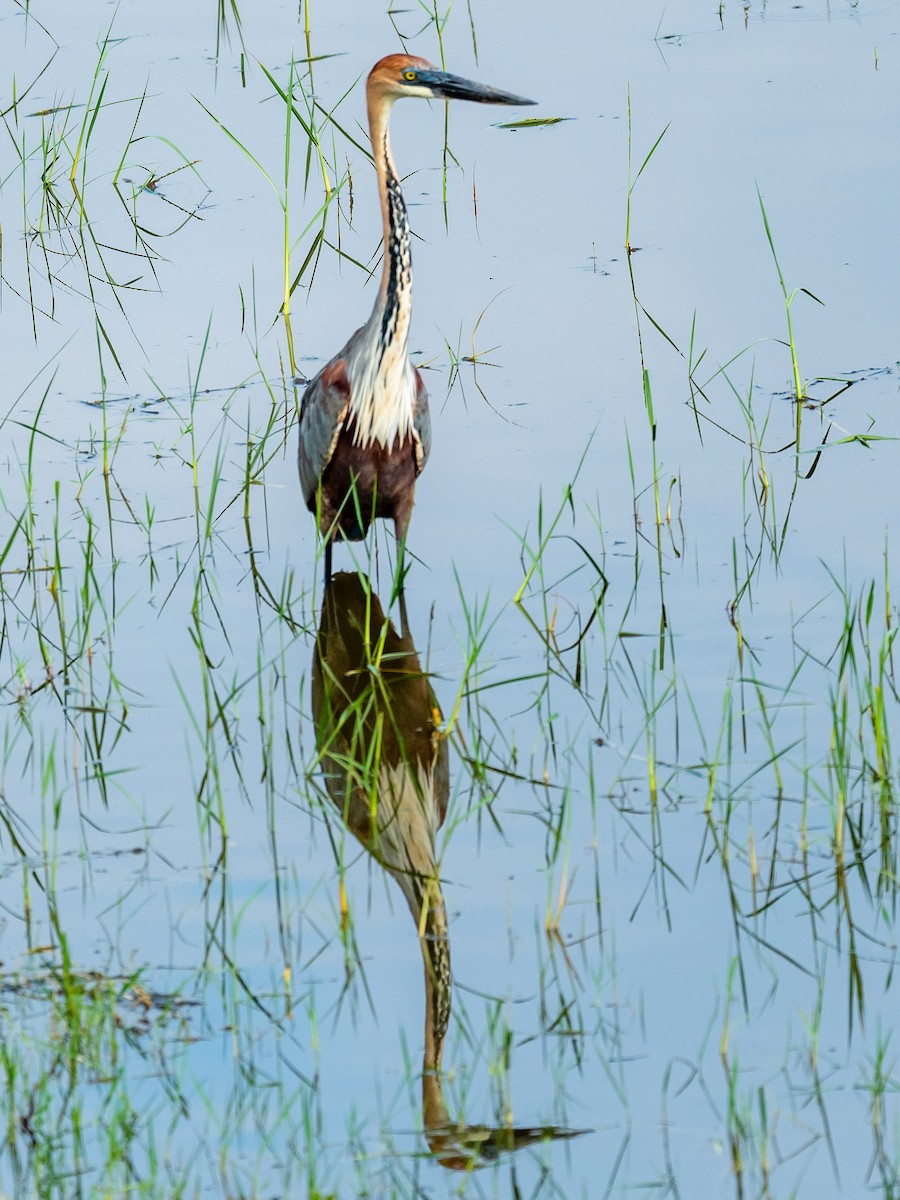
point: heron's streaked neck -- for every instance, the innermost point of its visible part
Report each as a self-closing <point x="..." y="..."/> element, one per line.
<point x="393" y="308"/>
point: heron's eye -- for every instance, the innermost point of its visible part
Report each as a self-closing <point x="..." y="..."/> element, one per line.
<point x="410" y="75"/>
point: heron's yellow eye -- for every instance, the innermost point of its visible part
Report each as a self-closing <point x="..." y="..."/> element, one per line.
<point x="410" y="75"/>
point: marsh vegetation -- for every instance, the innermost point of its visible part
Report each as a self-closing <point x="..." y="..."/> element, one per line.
<point x="651" y="605"/>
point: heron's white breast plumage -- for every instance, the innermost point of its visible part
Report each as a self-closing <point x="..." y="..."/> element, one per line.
<point x="382" y="387"/>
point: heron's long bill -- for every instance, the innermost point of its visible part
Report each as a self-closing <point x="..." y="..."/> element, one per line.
<point x="453" y="87"/>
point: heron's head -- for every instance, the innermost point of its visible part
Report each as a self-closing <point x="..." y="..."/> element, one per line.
<point x="401" y="75"/>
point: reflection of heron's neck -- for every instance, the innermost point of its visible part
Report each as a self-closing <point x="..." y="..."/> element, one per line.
<point x="438" y="987"/>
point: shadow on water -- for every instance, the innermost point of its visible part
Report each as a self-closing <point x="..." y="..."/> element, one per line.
<point x="386" y="769"/>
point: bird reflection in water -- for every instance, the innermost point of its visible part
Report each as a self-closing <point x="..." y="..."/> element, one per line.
<point x="386" y="770"/>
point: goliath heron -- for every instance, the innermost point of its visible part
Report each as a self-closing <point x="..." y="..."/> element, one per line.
<point x="386" y="771"/>
<point x="365" y="432"/>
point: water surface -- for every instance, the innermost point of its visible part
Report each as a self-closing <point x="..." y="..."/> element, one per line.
<point x="663" y="650"/>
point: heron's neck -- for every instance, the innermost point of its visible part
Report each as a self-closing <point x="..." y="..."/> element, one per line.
<point x="382" y="380"/>
<point x="393" y="308"/>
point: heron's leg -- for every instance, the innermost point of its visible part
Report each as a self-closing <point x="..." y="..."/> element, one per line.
<point x="402" y="513"/>
<point x="400" y="573"/>
<point x="327" y="562"/>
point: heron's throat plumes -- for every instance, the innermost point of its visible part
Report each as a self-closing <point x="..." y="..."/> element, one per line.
<point x="382" y="386"/>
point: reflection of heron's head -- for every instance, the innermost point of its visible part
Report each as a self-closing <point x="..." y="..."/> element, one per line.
<point x="461" y="1147"/>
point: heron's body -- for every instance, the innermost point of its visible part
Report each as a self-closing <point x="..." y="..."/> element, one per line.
<point x="363" y="473"/>
<point x="365" y="432"/>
